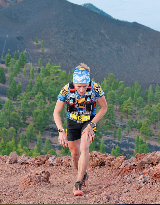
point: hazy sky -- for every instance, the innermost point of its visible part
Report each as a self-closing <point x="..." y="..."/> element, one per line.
<point x="145" y="12"/>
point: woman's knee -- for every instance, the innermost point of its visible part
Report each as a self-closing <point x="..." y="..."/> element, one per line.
<point x="84" y="144"/>
<point x="75" y="152"/>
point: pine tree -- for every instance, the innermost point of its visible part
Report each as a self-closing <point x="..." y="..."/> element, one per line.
<point x="111" y="97"/>
<point x="120" y="89"/>
<point x="11" y="78"/>
<point x="47" y="146"/>
<point x="8" y="109"/>
<point x="127" y="107"/>
<point x="150" y="95"/>
<point x="111" y="79"/>
<point x="40" y="62"/>
<point x="19" y="88"/>
<point x="24" y="110"/>
<point x="115" y="151"/>
<point x="65" y="151"/>
<point x="36" y="40"/>
<point x="29" y="87"/>
<point x="158" y="136"/>
<point x="145" y="96"/>
<point x="32" y="72"/>
<point x="2" y="76"/>
<point x="145" y="130"/>
<point x="136" y="148"/>
<point x="42" y="47"/>
<point x="1" y="106"/>
<point x="7" y="59"/>
<point x="127" y="92"/>
<point x="24" y="72"/>
<point x="11" y="133"/>
<point x="52" y="152"/>
<point x="12" y="91"/>
<point x="129" y="126"/>
<point x="119" y="133"/>
<point x="121" y="118"/>
<point x="22" y="138"/>
<point x="15" y="120"/>
<point x="39" y="142"/>
<point x="30" y="133"/>
<point x="102" y="146"/>
<point x="17" y="68"/>
<point x="4" y="134"/>
<point x="22" y="60"/>
<point x="115" y="133"/>
<point x="92" y="147"/>
<point x="3" y="119"/>
<point x="140" y="103"/>
<point x="15" y="55"/>
<point x="2" y="145"/>
<point x="12" y="65"/>
<point x="157" y="94"/>
<point x="35" y="152"/>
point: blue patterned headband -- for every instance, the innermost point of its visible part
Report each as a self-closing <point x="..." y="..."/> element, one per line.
<point x="81" y="75"/>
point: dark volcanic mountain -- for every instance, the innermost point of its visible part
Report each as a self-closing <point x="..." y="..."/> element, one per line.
<point x="74" y="34"/>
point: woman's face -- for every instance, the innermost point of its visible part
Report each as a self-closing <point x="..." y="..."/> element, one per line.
<point x="81" y="88"/>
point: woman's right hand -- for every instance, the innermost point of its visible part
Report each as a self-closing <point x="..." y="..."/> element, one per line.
<point x="62" y="139"/>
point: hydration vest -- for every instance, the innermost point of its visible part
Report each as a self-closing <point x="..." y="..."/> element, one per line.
<point x="89" y="104"/>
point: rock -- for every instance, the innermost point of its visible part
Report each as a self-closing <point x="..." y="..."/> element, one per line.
<point x="126" y="190"/>
<point x="67" y="162"/>
<point x="155" y="173"/>
<point x="4" y="158"/>
<point x="34" y="179"/>
<point x="117" y="162"/>
<point x="31" y="161"/>
<point x="125" y="169"/>
<point x="50" y="161"/>
<point x="58" y="161"/>
<point x="155" y="159"/>
<point x="146" y="160"/>
<point x="143" y="179"/>
<point x="97" y="159"/>
<point x="23" y="159"/>
<point x="109" y="159"/>
<point x="130" y="161"/>
<point x="41" y="159"/>
<point x="139" y="157"/>
<point x="13" y="158"/>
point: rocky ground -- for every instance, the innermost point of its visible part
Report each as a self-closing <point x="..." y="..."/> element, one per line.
<point x="50" y="180"/>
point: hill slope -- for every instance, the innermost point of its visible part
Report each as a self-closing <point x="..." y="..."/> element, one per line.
<point x="111" y="180"/>
<point x="74" y="34"/>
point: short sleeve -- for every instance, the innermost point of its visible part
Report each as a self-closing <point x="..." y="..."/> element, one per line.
<point x="97" y="90"/>
<point x="63" y="93"/>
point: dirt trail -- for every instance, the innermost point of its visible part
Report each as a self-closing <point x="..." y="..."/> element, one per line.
<point x="105" y="185"/>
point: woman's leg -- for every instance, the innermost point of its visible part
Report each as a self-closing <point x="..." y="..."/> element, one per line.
<point x="74" y="147"/>
<point x="84" y="157"/>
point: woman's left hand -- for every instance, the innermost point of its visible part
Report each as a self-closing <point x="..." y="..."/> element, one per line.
<point x="89" y="133"/>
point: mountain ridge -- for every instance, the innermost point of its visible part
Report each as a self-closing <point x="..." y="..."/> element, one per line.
<point x="95" y="9"/>
<point x="73" y="34"/>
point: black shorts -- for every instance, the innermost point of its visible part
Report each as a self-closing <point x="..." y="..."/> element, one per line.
<point x="74" y="129"/>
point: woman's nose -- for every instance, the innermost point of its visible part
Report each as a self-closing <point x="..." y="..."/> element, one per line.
<point x="82" y="89"/>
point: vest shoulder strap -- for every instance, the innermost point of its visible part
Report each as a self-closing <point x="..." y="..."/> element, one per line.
<point x="71" y="87"/>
